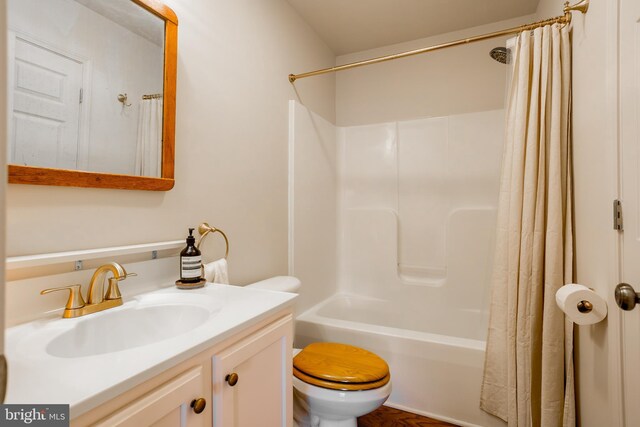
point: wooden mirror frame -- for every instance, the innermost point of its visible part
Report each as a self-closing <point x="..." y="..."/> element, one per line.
<point x="74" y="178"/>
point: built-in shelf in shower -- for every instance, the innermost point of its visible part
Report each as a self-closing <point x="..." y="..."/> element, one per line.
<point x="417" y="275"/>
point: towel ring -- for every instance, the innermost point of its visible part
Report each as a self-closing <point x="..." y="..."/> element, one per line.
<point x="205" y="229"/>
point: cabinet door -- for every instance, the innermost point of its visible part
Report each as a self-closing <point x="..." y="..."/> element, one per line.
<point x="167" y="406"/>
<point x="263" y="394"/>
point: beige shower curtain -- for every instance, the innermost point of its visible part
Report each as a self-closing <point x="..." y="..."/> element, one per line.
<point x="528" y="375"/>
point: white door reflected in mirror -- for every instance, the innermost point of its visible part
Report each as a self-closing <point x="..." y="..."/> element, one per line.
<point x="45" y="107"/>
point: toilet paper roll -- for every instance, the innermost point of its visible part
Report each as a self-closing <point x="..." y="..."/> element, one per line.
<point x="571" y="299"/>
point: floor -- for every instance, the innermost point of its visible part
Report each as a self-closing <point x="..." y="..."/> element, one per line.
<point x="390" y="417"/>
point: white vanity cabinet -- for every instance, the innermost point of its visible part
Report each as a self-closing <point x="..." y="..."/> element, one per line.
<point x="168" y="405"/>
<point x="261" y="365"/>
<point x="260" y="356"/>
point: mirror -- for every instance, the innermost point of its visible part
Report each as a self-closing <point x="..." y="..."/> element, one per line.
<point x="92" y="93"/>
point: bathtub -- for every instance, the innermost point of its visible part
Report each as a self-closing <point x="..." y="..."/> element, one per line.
<point x="436" y="361"/>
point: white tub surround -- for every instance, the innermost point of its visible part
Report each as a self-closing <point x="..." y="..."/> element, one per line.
<point x="313" y="183"/>
<point x="95" y="377"/>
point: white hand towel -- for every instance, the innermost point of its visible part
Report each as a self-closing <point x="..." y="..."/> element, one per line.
<point x="217" y="272"/>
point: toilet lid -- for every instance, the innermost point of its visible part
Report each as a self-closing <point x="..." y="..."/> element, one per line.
<point x="340" y="367"/>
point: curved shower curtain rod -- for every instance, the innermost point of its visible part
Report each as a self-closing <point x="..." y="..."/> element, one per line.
<point x="581" y="6"/>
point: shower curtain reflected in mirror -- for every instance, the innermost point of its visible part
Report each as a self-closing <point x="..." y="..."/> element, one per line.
<point x="528" y="376"/>
<point x="149" y="146"/>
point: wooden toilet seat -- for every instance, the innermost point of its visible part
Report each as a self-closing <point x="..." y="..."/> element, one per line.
<point x="340" y="367"/>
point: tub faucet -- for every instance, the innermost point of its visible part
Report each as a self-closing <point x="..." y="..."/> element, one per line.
<point x="98" y="300"/>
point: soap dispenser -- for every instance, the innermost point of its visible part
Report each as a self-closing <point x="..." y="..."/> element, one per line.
<point x="190" y="261"/>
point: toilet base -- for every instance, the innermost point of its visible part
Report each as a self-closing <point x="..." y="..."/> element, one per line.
<point x="301" y="418"/>
<point x="318" y="407"/>
<point x="353" y="422"/>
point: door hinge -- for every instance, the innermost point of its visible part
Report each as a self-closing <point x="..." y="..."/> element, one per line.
<point x="81" y="93"/>
<point x="617" y="215"/>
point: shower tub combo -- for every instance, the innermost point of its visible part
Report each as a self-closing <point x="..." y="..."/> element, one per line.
<point x="432" y="336"/>
<point x="415" y="225"/>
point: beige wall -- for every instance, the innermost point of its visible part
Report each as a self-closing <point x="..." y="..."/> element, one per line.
<point x="231" y="145"/>
<point x="594" y="159"/>
<point x="456" y="80"/>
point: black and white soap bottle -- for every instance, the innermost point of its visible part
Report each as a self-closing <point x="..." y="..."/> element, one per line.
<point x="190" y="261"/>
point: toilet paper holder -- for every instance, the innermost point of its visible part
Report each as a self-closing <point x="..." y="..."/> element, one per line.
<point x="585" y="306"/>
<point x="581" y="304"/>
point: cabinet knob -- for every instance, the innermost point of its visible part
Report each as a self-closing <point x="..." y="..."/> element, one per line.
<point x="198" y="405"/>
<point x="232" y="379"/>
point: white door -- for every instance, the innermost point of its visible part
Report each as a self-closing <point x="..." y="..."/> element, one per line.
<point x="630" y="187"/>
<point x="45" y="93"/>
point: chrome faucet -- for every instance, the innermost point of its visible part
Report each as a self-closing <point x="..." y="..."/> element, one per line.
<point x="98" y="299"/>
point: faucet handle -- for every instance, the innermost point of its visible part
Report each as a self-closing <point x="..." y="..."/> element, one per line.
<point x="75" y="296"/>
<point x="113" y="290"/>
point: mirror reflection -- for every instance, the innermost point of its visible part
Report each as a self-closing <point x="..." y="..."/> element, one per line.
<point x="86" y="84"/>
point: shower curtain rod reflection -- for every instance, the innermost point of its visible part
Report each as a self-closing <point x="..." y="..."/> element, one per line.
<point x="581" y="6"/>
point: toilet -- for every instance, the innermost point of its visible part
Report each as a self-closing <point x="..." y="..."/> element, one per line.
<point x="333" y="383"/>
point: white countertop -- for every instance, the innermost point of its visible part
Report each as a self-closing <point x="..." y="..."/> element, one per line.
<point x="37" y="377"/>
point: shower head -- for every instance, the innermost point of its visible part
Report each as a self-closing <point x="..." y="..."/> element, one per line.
<point x="500" y="54"/>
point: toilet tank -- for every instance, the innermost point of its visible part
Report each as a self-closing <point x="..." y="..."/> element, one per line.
<point x="279" y="283"/>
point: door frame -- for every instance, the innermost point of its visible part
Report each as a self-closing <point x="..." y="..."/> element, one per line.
<point x="4" y="134"/>
<point x="596" y="153"/>
<point x="626" y="399"/>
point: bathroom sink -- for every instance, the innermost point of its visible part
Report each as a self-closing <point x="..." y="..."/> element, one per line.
<point x="129" y="327"/>
<point x="104" y="354"/>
